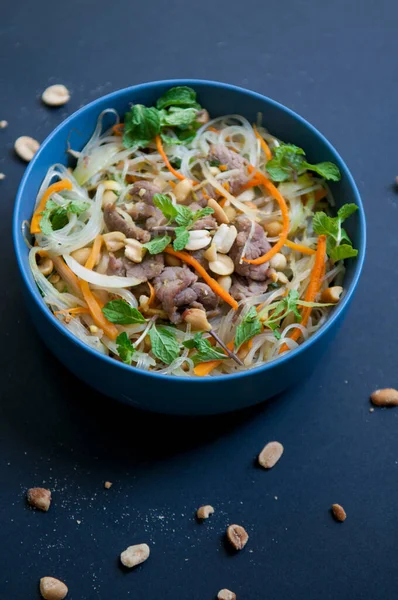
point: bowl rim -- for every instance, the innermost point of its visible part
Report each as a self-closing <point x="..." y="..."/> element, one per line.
<point x="161" y="376"/>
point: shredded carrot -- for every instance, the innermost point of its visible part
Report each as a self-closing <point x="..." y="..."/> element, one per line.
<point x="205" y="194"/>
<point x="251" y="183"/>
<point x="151" y="295"/>
<point x="58" y="186"/>
<point x="205" y="368"/>
<point x="320" y="194"/>
<point x="118" y="129"/>
<point x="67" y="274"/>
<point x="131" y="178"/>
<point x="212" y="283"/>
<point x="299" y="247"/>
<point x="171" y="183"/>
<point x="285" y="219"/>
<point x="263" y="143"/>
<point x="79" y="310"/>
<point x="213" y="129"/>
<point x="222" y="202"/>
<point x="109" y="329"/>
<point x="313" y="288"/>
<point x="166" y="160"/>
<point x="223" y="167"/>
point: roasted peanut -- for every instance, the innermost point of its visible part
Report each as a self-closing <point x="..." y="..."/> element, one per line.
<point x="226" y="595"/>
<point x="111" y="184"/>
<point x="114" y="240"/>
<point x="182" y="190"/>
<point x="225" y="281"/>
<point x="81" y="255"/>
<point x="204" y="512"/>
<point x="172" y="261"/>
<point x="223" y="265"/>
<point x="237" y="536"/>
<point x="273" y="228"/>
<point x="108" y="197"/>
<point x="270" y="455"/>
<point x="52" y="589"/>
<point x="55" y="95"/>
<point x="107" y="485"/>
<point x="26" y="147"/>
<point x="197" y="319"/>
<point x="278" y="261"/>
<point x="39" y="498"/>
<point x="332" y="294"/>
<point x="46" y="266"/>
<point x="386" y="397"/>
<point x="219" y="213"/>
<point x="211" y="253"/>
<point x="339" y="512"/>
<point x="135" y="555"/>
<point x="134" y="250"/>
<point x="198" y="239"/>
<point x="3" y="124"/>
<point x="230" y="212"/>
<point x="224" y="238"/>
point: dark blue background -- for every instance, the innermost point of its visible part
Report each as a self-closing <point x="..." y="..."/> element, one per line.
<point x="335" y="64"/>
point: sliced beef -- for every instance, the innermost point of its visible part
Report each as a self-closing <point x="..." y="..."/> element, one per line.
<point x="150" y="267"/>
<point x="207" y="222"/>
<point x="117" y="222"/>
<point x="244" y="287"/>
<point x="186" y="297"/>
<point x="205" y="296"/>
<point x="232" y="160"/>
<point x="257" y="246"/>
<point x="140" y="211"/>
<point x="169" y="285"/>
<point x="144" y="190"/>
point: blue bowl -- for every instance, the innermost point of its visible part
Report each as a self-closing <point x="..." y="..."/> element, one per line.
<point x="161" y="393"/>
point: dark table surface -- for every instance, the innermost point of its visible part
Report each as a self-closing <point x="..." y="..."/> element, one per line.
<point x="334" y="63"/>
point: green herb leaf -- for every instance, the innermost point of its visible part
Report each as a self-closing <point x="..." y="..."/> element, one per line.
<point x="141" y="125"/>
<point x="249" y="326"/>
<point x="77" y="206"/>
<point x="202" y="212"/>
<point x="125" y="348"/>
<point x="290" y="159"/>
<point x="172" y="141"/>
<point x="184" y="215"/>
<point x="164" y="344"/>
<point x="165" y="204"/>
<point x="214" y="163"/>
<point x="158" y="244"/>
<point x="281" y="310"/>
<point x="55" y="217"/>
<point x="182" y="238"/>
<point x="343" y="251"/>
<point x="327" y="170"/>
<point x="276" y="171"/>
<point x="178" y="117"/>
<point x="177" y="96"/>
<point x="324" y="225"/>
<point x="346" y="211"/>
<point x="120" y="312"/>
<point x="206" y="351"/>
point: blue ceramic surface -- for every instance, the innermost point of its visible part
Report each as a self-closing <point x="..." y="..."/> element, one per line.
<point x="162" y="393"/>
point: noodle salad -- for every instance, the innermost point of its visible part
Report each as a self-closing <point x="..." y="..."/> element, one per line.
<point x="189" y="245"/>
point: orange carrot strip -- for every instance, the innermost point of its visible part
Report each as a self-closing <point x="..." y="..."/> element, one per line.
<point x="212" y="283"/>
<point x="213" y="129"/>
<point x="263" y="144"/>
<point x="251" y="183"/>
<point x="118" y="129"/>
<point x="312" y="289"/>
<point x="166" y="160"/>
<point x="79" y="310"/>
<point x="58" y="186"/>
<point x="151" y="295"/>
<point x="222" y="202"/>
<point x="222" y="167"/>
<point x="269" y="186"/>
<point x="67" y="274"/>
<point x="299" y="247"/>
<point x="171" y="183"/>
<point x="98" y="317"/>
<point x="205" y="368"/>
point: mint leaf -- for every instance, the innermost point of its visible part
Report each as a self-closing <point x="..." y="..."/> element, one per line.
<point x="177" y="96"/>
<point x="125" y="348"/>
<point x="59" y="218"/>
<point x="206" y="351"/>
<point x="165" y="204"/>
<point x="324" y="225"/>
<point x="343" y="251"/>
<point x="182" y="238"/>
<point x="120" y="312"/>
<point x="141" y="125"/>
<point x="55" y="216"/>
<point x="276" y="171"/>
<point x="178" y="117"/>
<point x="281" y="310"/>
<point x="164" y="344"/>
<point x="158" y="244"/>
<point x="77" y="206"/>
<point x="202" y="212"/>
<point x="171" y="141"/>
<point x="327" y="170"/>
<point x="346" y="211"/>
<point x="184" y="215"/>
<point x="247" y="328"/>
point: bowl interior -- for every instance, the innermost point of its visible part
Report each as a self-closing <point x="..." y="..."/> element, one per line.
<point x="219" y="99"/>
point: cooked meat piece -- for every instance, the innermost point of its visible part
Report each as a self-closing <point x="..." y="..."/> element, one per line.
<point x="232" y="160"/>
<point x="151" y="266"/>
<point x="150" y="189"/>
<point x="156" y="220"/>
<point x="169" y="284"/>
<point x="257" y="246"/>
<point x="186" y="297"/>
<point x="200" y="199"/>
<point x="116" y="222"/>
<point x="243" y="287"/>
<point x="205" y="296"/>
<point x="207" y="222"/>
<point x="152" y="216"/>
<point x="199" y="256"/>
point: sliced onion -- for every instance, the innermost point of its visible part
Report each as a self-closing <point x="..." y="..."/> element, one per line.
<point x="105" y="281"/>
<point x="253" y="214"/>
<point x="96" y="160"/>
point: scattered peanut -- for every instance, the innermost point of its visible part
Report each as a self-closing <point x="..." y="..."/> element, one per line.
<point x="93" y="329"/>
<point x="211" y="253"/>
<point x="111" y="184"/>
<point x="52" y="589"/>
<point x="386" y="397"/>
<point x="108" y="197"/>
<point x="46" y="266"/>
<point x="39" y="498"/>
<point x="278" y="262"/>
<point x="114" y="240"/>
<point x="219" y="213"/>
<point x="134" y="250"/>
<point x="226" y="595"/>
<point x="135" y="555"/>
<point x="224" y="238"/>
<point x="55" y="278"/>
<point x="270" y="455"/>
<point x="204" y="512"/>
<point x="107" y="485"/>
<point x="273" y="228"/>
<point x="26" y="147"/>
<point x="223" y="265"/>
<point x="339" y="512"/>
<point x="3" y="124"/>
<point x="55" y="95"/>
<point x="226" y="282"/>
<point x="332" y="294"/>
<point x="230" y="212"/>
<point x="182" y="190"/>
<point x="197" y="319"/>
<point x="237" y="536"/>
<point x="81" y="255"/>
<point x="198" y="239"/>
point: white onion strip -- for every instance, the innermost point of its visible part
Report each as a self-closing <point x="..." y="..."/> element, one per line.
<point x="106" y="281"/>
